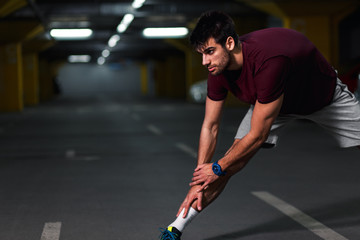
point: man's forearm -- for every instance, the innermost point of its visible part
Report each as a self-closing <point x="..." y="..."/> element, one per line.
<point x="261" y="121"/>
<point x="207" y="144"/>
<point x="240" y="154"/>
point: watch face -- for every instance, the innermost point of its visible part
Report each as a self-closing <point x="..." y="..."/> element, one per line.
<point x="216" y="169"/>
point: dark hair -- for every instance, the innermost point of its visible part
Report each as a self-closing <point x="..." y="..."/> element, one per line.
<point x="215" y="24"/>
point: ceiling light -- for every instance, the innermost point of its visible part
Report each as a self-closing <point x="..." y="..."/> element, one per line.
<point x="137" y="3"/>
<point x="125" y="22"/>
<point x="71" y="34"/>
<point x="79" y="58"/>
<point x="128" y="18"/>
<point x="105" y="53"/>
<point x="170" y="32"/>
<point x="101" y="60"/>
<point x="113" y="40"/>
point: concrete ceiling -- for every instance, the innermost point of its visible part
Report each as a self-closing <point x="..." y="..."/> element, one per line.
<point x="103" y="16"/>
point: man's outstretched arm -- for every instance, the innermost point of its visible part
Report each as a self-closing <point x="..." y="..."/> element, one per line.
<point x="242" y="150"/>
<point x="209" y="130"/>
<point x="207" y="144"/>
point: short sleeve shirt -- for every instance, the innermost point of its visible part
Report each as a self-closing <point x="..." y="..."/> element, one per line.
<point x="278" y="61"/>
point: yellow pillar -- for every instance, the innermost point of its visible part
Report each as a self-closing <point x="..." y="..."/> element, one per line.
<point x="169" y="77"/>
<point x="47" y="73"/>
<point x="11" y="64"/>
<point x="175" y="76"/>
<point x="46" y="83"/>
<point x="31" y="49"/>
<point x="31" y="79"/>
<point x="318" y="20"/>
<point x="144" y="79"/>
<point x="193" y="70"/>
<point x="11" y="90"/>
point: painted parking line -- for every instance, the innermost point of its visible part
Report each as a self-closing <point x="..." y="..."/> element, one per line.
<point x="51" y="231"/>
<point x="155" y="130"/>
<point x="308" y="222"/>
<point x="185" y="148"/>
<point x="71" y="154"/>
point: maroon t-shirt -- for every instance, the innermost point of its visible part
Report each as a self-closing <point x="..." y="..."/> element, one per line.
<point x="277" y="61"/>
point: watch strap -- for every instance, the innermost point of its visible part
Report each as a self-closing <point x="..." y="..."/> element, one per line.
<point x="217" y="169"/>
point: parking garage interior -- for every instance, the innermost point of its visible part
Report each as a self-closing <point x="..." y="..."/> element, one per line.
<point x="99" y="136"/>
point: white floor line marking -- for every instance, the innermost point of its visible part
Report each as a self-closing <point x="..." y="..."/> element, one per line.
<point x="186" y="149"/>
<point x="51" y="231"/>
<point x="70" y="153"/>
<point x="310" y="223"/>
<point x="89" y="158"/>
<point x="154" y="129"/>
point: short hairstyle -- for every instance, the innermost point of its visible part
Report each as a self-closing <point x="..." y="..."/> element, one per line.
<point x="215" y="24"/>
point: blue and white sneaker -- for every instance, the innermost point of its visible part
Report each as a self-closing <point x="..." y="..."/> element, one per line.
<point x="171" y="233"/>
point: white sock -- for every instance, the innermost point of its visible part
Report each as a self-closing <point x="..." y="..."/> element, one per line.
<point x="180" y="223"/>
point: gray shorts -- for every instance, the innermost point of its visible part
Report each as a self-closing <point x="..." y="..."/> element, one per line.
<point x="341" y="119"/>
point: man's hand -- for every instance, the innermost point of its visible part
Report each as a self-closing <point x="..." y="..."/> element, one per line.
<point x="193" y="195"/>
<point x="203" y="175"/>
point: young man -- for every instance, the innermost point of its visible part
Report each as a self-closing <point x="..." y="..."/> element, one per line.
<point x="284" y="77"/>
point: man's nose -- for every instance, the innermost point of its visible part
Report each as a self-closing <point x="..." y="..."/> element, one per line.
<point x="205" y="60"/>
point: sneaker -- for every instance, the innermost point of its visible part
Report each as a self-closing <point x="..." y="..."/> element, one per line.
<point x="171" y="233"/>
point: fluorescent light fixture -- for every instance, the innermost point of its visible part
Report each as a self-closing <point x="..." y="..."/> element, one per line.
<point x="71" y="34"/>
<point x="128" y="18"/>
<point x="137" y="3"/>
<point x="101" y="60"/>
<point x="125" y="22"/>
<point x="169" y="32"/>
<point x="113" y="40"/>
<point x="105" y="53"/>
<point x="79" y="58"/>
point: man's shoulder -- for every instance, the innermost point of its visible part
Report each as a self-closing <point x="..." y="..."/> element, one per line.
<point x="269" y="31"/>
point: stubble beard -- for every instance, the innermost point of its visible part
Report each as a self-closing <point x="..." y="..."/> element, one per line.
<point x="224" y="63"/>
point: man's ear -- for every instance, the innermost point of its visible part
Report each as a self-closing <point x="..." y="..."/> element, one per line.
<point x="230" y="44"/>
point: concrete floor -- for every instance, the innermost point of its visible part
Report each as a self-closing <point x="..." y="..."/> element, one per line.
<point x="111" y="168"/>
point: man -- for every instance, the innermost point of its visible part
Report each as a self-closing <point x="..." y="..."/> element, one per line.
<point x="284" y="77"/>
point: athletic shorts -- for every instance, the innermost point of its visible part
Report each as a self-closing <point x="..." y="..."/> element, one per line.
<point x="341" y="119"/>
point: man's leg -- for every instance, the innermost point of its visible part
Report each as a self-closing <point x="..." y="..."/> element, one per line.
<point x="175" y="229"/>
<point x="208" y="196"/>
<point x="341" y="118"/>
<point x="215" y="189"/>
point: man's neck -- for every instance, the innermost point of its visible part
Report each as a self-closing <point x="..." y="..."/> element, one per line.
<point x="237" y="59"/>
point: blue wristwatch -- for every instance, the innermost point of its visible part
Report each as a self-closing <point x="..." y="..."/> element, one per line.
<point x="217" y="169"/>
